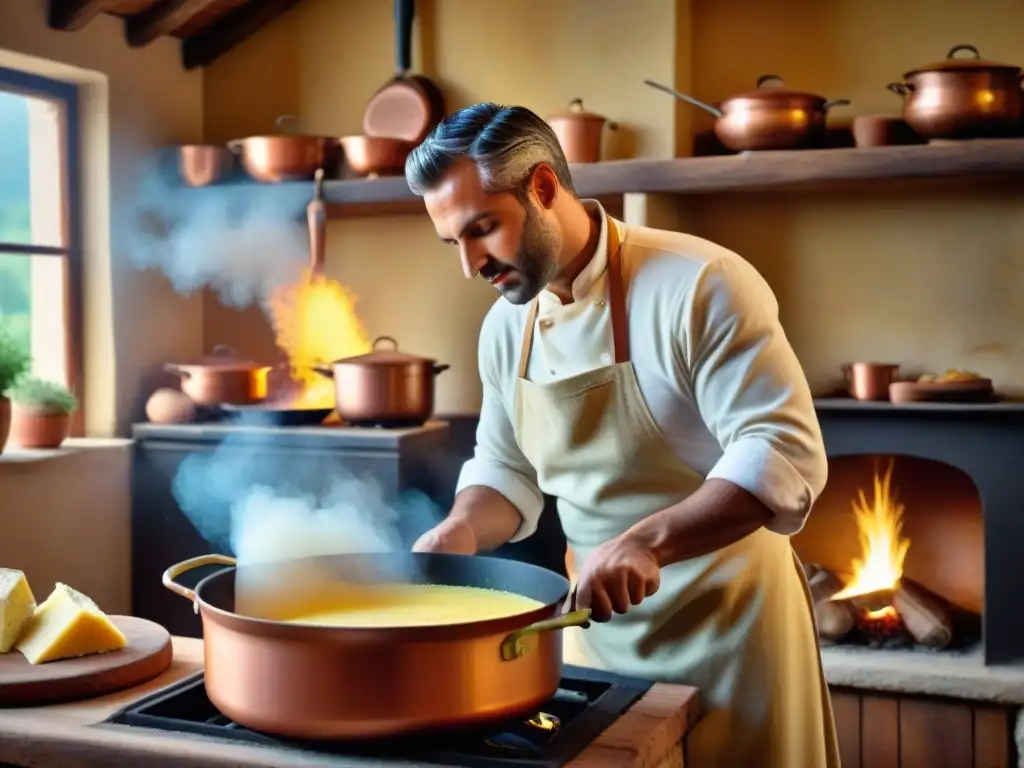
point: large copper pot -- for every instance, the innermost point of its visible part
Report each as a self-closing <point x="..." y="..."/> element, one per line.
<point x="222" y="378"/>
<point x="374" y="156"/>
<point x="962" y="98"/>
<point x="384" y="387"/>
<point x="770" y="117"/>
<point x="319" y="682"/>
<point x="580" y="132"/>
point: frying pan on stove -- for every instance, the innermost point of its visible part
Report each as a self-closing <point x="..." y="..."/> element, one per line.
<point x="270" y="415"/>
<point x="408" y="106"/>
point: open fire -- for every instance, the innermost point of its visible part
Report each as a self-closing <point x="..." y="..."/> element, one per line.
<point x="315" y="322"/>
<point x="876" y="604"/>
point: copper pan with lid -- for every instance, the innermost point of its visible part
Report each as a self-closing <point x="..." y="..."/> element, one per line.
<point x="771" y="116"/>
<point x="962" y="97"/>
<point x="384" y="387"/>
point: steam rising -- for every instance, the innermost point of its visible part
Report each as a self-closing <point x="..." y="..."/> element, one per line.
<point x="242" y="241"/>
<point x="266" y="502"/>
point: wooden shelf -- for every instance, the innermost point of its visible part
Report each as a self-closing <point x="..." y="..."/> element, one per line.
<point x="965" y="160"/>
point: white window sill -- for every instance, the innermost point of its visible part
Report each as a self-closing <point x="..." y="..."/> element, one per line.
<point x="14" y="454"/>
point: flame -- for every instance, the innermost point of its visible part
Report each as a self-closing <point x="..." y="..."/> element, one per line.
<point x="315" y="323"/>
<point x="883" y="549"/>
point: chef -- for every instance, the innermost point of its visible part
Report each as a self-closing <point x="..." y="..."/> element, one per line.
<point x="643" y="379"/>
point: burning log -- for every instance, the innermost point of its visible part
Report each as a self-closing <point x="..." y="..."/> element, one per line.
<point x="924" y="615"/>
<point x="835" y="619"/>
<point x="823" y="585"/>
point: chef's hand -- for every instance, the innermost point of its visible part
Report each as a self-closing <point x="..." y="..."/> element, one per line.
<point x="450" y="536"/>
<point x="618" y="574"/>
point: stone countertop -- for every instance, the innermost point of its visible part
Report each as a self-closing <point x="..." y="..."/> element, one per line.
<point x="325" y="436"/>
<point x="70" y="735"/>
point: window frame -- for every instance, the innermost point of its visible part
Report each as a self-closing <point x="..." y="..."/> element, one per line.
<point x="67" y="95"/>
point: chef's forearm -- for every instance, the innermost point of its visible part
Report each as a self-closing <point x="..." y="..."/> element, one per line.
<point x="492" y="518"/>
<point x="716" y="515"/>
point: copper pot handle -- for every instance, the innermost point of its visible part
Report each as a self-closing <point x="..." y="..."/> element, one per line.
<point x="389" y="339"/>
<point x="836" y="103"/>
<point x="900" y="89"/>
<point x="176" y="370"/>
<point x="324" y="371"/>
<point x="683" y="97"/>
<point x="440" y="368"/>
<point x="223" y="350"/>
<point x="957" y="48"/>
<point x="512" y="647"/>
<point x="187" y="565"/>
<point x="763" y="80"/>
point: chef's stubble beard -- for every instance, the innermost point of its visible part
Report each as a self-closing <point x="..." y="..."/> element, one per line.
<point x="536" y="259"/>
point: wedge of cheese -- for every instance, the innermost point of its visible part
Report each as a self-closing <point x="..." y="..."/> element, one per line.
<point x="16" y="606"/>
<point x="66" y="625"/>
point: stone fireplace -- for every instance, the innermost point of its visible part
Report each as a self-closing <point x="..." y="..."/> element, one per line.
<point x="954" y="474"/>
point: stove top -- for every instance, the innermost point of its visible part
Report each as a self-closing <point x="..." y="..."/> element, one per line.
<point x="587" y="702"/>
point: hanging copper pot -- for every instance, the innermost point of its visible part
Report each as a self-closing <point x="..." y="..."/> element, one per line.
<point x="962" y="98"/>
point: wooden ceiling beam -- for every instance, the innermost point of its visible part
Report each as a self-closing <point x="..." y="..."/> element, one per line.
<point x="71" y="15"/>
<point x="161" y="19"/>
<point x="224" y="34"/>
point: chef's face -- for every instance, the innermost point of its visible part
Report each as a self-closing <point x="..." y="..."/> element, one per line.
<point x="506" y="239"/>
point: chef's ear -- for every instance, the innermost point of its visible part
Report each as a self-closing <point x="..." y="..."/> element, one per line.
<point x="544" y="185"/>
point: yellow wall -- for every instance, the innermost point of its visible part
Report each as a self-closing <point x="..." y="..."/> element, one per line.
<point x="133" y="101"/>
<point x="932" y="279"/>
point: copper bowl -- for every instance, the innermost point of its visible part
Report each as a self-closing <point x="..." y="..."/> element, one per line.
<point x="203" y="164"/>
<point x="376" y="155"/>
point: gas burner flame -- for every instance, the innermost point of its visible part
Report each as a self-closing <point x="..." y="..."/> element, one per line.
<point x="544" y="722"/>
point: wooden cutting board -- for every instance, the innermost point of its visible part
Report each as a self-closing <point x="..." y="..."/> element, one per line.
<point x="148" y="654"/>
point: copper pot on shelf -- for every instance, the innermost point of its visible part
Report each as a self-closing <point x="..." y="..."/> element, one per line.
<point x="580" y="132"/>
<point x="384" y="387"/>
<point x="288" y="156"/>
<point x="769" y="117"/>
<point x="316" y="682"/>
<point x="200" y="165"/>
<point x="962" y="98"/>
<point x="374" y="156"/>
<point x="222" y="378"/>
<point x="870" y="381"/>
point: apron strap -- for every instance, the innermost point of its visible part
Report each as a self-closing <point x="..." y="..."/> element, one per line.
<point x="616" y="305"/>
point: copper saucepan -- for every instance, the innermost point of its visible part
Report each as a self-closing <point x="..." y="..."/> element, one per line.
<point x="962" y="98"/>
<point x="288" y="156"/>
<point x="318" y="682"/>
<point x="222" y="378"/>
<point x="870" y="381"/>
<point x="384" y="387"/>
<point x="770" y="117"/>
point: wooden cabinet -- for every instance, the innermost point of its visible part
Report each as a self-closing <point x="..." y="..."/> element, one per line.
<point x="885" y="731"/>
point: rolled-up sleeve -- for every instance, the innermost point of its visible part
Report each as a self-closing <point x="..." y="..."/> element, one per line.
<point x="497" y="461"/>
<point x="752" y="392"/>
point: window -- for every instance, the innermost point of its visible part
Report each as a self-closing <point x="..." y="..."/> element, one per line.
<point x="39" y="238"/>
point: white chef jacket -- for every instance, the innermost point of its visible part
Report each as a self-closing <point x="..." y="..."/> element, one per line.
<point x="712" y="360"/>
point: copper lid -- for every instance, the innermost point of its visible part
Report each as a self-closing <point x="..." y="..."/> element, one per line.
<point x="953" y="63"/>
<point x="576" y="112"/>
<point x="772" y="88"/>
<point x="223" y="358"/>
<point x="386" y="356"/>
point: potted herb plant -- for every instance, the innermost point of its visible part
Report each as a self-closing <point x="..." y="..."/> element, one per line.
<point x="41" y="413"/>
<point x="14" y="362"/>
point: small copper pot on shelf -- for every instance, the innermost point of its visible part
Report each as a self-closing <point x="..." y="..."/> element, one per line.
<point x="870" y="381"/>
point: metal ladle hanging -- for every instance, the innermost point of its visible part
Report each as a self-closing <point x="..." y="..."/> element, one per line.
<point x="316" y="219"/>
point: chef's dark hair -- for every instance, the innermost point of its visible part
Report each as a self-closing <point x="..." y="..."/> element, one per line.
<point x="506" y="143"/>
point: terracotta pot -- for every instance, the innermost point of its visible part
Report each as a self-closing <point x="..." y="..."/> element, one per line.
<point x="5" y="421"/>
<point x="38" y="427"/>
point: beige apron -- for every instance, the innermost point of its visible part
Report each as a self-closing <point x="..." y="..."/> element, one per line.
<point x="736" y="623"/>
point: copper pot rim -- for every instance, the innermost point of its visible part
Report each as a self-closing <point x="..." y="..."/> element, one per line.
<point x="369" y="635"/>
<point x="388" y="357"/>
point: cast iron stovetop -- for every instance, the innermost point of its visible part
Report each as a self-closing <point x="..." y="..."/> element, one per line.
<point x="587" y="702"/>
